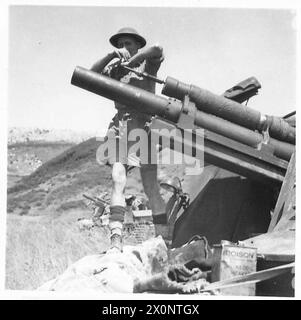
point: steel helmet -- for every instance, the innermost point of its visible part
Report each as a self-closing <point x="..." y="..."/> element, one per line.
<point x="127" y="32"/>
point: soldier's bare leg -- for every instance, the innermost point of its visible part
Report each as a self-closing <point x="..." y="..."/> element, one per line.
<point x="119" y="182"/>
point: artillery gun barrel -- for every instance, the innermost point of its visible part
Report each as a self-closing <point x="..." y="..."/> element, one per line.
<point x="220" y="106"/>
<point x="170" y="109"/>
<point x="141" y="100"/>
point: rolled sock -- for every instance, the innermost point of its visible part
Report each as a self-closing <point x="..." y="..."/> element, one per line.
<point x="117" y="213"/>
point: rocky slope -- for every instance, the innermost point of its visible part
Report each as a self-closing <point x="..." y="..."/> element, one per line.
<point x="49" y="173"/>
<point x="18" y="135"/>
<point x="29" y="148"/>
<point x="59" y="183"/>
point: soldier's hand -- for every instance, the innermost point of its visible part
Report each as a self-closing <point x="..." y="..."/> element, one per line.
<point x="122" y="54"/>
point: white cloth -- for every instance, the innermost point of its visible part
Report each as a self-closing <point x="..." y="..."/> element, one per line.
<point x="113" y="271"/>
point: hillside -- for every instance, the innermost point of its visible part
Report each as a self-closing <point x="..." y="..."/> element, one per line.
<point x="42" y="236"/>
<point x="25" y="158"/>
<point x="29" y="148"/>
<point x="58" y="184"/>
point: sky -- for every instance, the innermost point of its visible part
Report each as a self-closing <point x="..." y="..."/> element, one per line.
<point x="213" y="48"/>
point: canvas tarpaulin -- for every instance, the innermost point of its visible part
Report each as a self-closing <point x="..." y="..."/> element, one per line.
<point x="226" y="207"/>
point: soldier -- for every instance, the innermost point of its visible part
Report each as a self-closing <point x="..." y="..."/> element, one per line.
<point x="130" y="51"/>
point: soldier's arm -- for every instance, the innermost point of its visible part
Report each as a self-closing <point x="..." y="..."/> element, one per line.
<point x="99" y="65"/>
<point x="154" y="52"/>
<point x="117" y="53"/>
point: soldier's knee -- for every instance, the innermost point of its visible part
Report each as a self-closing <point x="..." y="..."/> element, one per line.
<point x="118" y="173"/>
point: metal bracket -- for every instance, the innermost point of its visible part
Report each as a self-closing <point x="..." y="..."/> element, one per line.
<point x="264" y="145"/>
<point x="187" y="115"/>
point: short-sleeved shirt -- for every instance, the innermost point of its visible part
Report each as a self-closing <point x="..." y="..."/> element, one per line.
<point x="150" y="66"/>
<point x="125" y="114"/>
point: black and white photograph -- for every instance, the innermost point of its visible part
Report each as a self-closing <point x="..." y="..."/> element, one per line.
<point x="149" y="150"/>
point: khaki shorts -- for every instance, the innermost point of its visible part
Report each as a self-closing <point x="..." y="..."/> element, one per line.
<point x="119" y="129"/>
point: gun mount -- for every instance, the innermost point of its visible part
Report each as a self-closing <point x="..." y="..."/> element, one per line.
<point x="225" y="142"/>
<point x="236" y="138"/>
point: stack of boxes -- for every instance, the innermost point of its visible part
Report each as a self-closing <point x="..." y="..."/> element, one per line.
<point x="138" y="227"/>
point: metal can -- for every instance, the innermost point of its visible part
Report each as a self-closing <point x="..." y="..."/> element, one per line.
<point x="232" y="260"/>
